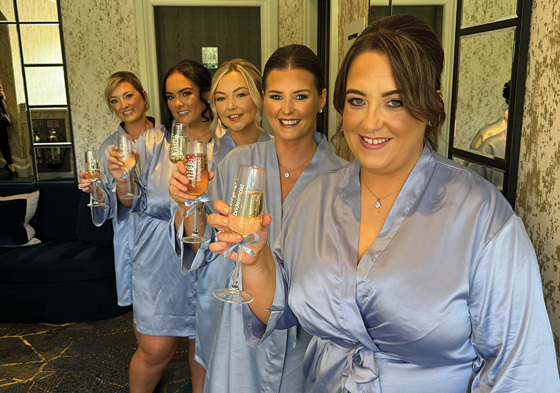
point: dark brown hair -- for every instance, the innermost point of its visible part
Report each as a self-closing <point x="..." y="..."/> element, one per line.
<point x="197" y="73"/>
<point x="292" y="57"/>
<point x="416" y="58"/>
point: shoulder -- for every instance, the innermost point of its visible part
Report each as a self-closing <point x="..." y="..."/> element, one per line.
<point x="156" y="134"/>
<point x="328" y="183"/>
<point x="465" y="193"/>
<point x="244" y="152"/>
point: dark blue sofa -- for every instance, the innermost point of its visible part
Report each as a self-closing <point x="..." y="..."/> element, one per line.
<point x="70" y="276"/>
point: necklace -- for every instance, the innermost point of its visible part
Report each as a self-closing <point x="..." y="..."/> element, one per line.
<point x="287" y="173"/>
<point x="377" y="203"/>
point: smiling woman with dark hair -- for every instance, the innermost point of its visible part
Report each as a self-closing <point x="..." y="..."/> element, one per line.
<point x="293" y="95"/>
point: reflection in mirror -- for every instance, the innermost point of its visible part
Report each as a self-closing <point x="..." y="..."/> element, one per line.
<point x="485" y="65"/>
<point x="476" y="12"/>
<point x="15" y="138"/>
<point x="40" y="137"/>
<point x="493" y="175"/>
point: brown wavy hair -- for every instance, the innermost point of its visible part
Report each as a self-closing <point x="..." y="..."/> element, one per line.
<point x="124" y="76"/>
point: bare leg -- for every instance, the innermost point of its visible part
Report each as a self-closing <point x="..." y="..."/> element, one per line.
<point x="197" y="371"/>
<point x="150" y="359"/>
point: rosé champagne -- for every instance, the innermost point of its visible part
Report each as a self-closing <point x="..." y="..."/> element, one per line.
<point x="197" y="172"/>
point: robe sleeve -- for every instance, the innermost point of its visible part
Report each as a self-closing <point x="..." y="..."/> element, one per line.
<point x="510" y="329"/>
<point x="281" y="316"/>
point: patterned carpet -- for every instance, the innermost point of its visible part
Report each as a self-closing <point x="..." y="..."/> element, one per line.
<point x="77" y="358"/>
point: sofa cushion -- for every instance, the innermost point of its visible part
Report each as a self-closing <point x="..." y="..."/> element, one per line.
<point x="16" y="229"/>
<point x="57" y="261"/>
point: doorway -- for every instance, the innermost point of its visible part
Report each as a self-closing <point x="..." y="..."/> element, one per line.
<point x="183" y="32"/>
<point x="148" y="48"/>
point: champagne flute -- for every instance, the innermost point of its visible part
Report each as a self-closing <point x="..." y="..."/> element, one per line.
<point x="245" y="218"/>
<point x="92" y="173"/>
<point x="196" y="162"/>
<point x="177" y="130"/>
<point x="126" y="148"/>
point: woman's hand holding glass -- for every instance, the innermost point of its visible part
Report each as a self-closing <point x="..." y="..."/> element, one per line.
<point x="121" y="161"/>
<point x="190" y="180"/>
<point x="225" y="238"/>
<point x="245" y="220"/>
<point x="92" y="174"/>
<point x="88" y="179"/>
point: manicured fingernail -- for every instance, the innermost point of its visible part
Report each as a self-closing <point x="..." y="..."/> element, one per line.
<point x="238" y="237"/>
<point x="225" y="221"/>
<point x="226" y="210"/>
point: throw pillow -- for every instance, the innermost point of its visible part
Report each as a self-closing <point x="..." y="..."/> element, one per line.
<point x="16" y="212"/>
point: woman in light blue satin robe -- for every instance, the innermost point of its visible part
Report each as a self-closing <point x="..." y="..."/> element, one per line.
<point x="236" y="100"/>
<point x="160" y="298"/>
<point x="293" y="94"/>
<point x="412" y="273"/>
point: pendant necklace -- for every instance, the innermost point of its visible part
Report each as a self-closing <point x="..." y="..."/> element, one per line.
<point x="377" y="203"/>
<point x="287" y="173"/>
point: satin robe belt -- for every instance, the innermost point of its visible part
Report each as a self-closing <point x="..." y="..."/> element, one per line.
<point x="360" y="368"/>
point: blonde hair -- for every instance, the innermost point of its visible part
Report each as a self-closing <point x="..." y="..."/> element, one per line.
<point x="252" y="77"/>
<point x="124" y="76"/>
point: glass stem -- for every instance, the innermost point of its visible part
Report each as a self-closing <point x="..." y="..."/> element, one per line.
<point x="195" y="224"/>
<point x="94" y="191"/>
<point x="128" y="184"/>
<point x="235" y="284"/>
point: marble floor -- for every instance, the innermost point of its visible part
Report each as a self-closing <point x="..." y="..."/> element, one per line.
<point x="77" y="358"/>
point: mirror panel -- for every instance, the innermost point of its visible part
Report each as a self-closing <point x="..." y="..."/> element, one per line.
<point x="14" y="91"/>
<point x="41" y="44"/>
<point x="477" y="12"/>
<point x="7" y="10"/>
<point x="37" y="11"/>
<point x="45" y="85"/>
<point x="485" y="66"/>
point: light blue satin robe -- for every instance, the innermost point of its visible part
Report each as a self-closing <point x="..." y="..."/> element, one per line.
<point x="232" y="365"/>
<point x="163" y="298"/>
<point x="448" y="299"/>
<point x="124" y="223"/>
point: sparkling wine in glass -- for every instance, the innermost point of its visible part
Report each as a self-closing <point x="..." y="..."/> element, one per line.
<point x="126" y="148"/>
<point x="196" y="163"/>
<point x="92" y="174"/>
<point x="245" y="218"/>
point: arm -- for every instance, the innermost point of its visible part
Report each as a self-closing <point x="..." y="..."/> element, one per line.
<point x="510" y="329"/>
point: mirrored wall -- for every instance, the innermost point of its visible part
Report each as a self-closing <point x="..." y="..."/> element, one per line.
<point x="33" y="75"/>
<point x="488" y="88"/>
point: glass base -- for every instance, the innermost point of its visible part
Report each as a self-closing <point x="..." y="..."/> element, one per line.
<point x="195" y="239"/>
<point x="232" y="295"/>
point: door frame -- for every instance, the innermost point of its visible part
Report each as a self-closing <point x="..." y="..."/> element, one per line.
<point x="146" y="36"/>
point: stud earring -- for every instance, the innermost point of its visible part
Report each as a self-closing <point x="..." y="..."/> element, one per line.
<point x="321" y="110"/>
